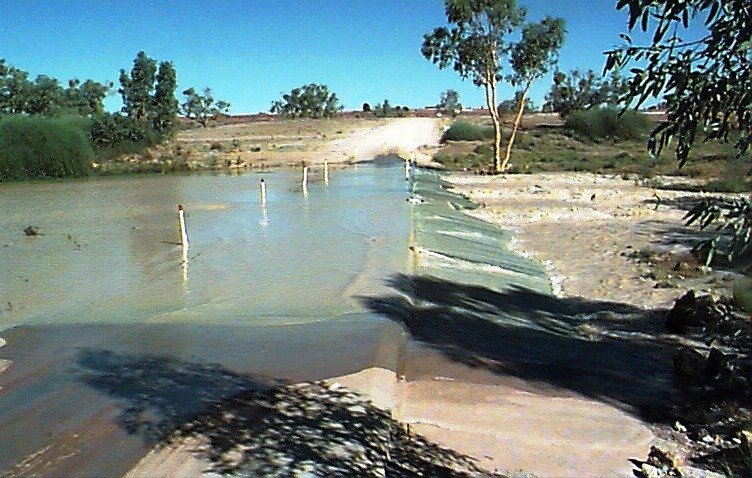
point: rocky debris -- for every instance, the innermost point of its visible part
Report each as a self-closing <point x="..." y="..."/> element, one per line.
<point x="31" y="231"/>
<point x="717" y="381"/>
<point x="659" y="464"/>
<point x="688" y="362"/>
<point x="692" y="311"/>
<point x="316" y="429"/>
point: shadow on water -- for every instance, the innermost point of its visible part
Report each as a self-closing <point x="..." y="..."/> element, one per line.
<point x="596" y="349"/>
<point x="160" y="393"/>
<point x="255" y="426"/>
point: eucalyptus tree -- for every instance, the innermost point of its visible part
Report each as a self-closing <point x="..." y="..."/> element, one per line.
<point x="44" y="96"/>
<point x="531" y="59"/>
<point x="450" y="103"/>
<point x="203" y="107"/>
<point x="87" y="98"/>
<point x="473" y="44"/>
<point x="584" y="90"/>
<point x="136" y="88"/>
<point x="705" y="82"/>
<point x="308" y="101"/>
<point x="165" y="107"/>
<point x="15" y="87"/>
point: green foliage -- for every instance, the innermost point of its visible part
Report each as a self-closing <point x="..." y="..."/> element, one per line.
<point x="114" y="134"/>
<point x="602" y="123"/>
<point x="510" y="106"/>
<point x="45" y="95"/>
<point x="732" y="217"/>
<point x="204" y="107"/>
<point x="136" y="88"/>
<point x="87" y="98"/>
<point x="464" y="131"/>
<point x="582" y="91"/>
<point x="537" y="51"/>
<point x="705" y="82"/>
<point x="366" y="108"/>
<point x="38" y="147"/>
<point x="386" y="110"/>
<point x="474" y="41"/>
<point x="450" y="103"/>
<point x="308" y="101"/>
<point x="164" y="110"/>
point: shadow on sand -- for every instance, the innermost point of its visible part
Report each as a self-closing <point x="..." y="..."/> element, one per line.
<point x="256" y="426"/>
<point x="607" y="351"/>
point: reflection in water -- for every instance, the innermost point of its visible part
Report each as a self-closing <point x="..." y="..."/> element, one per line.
<point x="110" y="249"/>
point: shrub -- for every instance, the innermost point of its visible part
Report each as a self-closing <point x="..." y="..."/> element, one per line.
<point x="115" y="134"/>
<point x="464" y="131"/>
<point x="601" y="123"/>
<point x="37" y="147"/>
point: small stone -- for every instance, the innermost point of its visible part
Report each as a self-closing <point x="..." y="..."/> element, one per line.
<point x="31" y="231"/>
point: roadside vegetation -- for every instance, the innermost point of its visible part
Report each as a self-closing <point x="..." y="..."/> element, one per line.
<point x="595" y="141"/>
<point x="39" y="147"/>
<point x="51" y="131"/>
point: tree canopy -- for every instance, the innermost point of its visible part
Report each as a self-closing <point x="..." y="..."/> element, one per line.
<point x="164" y="104"/>
<point x="706" y="84"/>
<point x="203" y="107"/>
<point x="136" y="88"/>
<point x="46" y="96"/>
<point x="450" y="103"/>
<point x="308" y="101"/>
<point x="582" y="91"/>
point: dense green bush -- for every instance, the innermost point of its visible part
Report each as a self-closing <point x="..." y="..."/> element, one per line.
<point x="601" y="123"/>
<point x="464" y="131"/>
<point x="113" y="134"/>
<point x="37" y="147"/>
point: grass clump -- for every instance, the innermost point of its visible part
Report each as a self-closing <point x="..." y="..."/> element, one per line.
<point x="465" y="131"/>
<point x="37" y="147"/>
<point x="607" y="123"/>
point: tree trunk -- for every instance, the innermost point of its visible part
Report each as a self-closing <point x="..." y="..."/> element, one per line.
<point x="516" y="125"/>
<point x="490" y="87"/>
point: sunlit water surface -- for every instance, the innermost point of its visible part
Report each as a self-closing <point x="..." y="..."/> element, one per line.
<point x="109" y="252"/>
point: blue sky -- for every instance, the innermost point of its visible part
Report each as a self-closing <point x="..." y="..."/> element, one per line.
<point x="250" y="51"/>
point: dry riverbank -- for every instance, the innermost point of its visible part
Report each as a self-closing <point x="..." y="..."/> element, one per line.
<point x="592" y="231"/>
<point x="263" y="145"/>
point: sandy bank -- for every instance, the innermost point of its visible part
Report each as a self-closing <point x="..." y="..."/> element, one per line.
<point x="584" y="226"/>
<point x="502" y="427"/>
<point x="508" y="429"/>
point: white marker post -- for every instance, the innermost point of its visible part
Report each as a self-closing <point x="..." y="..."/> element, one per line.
<point x="184" y="241"/>
<point x="407" y="169"/>
<point x="326" y="172"/>
<point x="263" y="192"/>
<point x="183" y="233"/>
<point x="305" y="180"/>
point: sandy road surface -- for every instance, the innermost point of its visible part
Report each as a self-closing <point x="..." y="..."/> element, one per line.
<point x="404" y="136"/>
